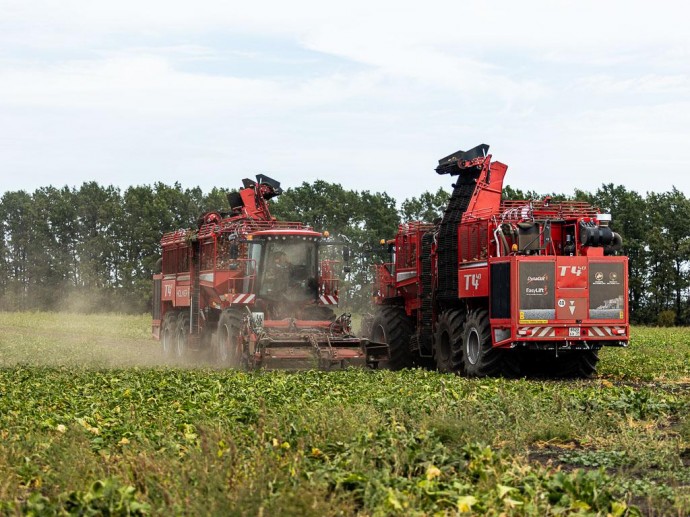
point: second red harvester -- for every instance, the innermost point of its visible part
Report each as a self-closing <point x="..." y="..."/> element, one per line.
<point x="502" y="287"/>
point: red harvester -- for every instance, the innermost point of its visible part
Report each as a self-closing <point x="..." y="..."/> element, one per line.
<point x="502" y="287"/>
<point x="254" y="292"/>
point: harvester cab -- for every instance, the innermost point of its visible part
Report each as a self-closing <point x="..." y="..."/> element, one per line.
<point x="287" y="271"/>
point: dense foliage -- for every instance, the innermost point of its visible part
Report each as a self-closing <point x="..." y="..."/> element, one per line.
<point x="94" y="248"/>
<point x="83" y="438"/>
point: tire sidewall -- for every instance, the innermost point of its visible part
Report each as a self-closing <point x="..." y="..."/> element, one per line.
<point x="378" y="331"/>
<point x="472" y="346"/>
<point x="169" y="335"/>
<point x="223" y="342"/>
<point x="392" y="326"/>
<point x="181" y="337"/>
<point x="475" y="341"/>
<point x="443" y="345"/>
<point x="228" y="352"/>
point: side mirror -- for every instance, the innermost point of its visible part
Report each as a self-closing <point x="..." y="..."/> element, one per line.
<point x="346" y="254"/>
<point x="234" y="251"/>
<point x="347" y="269"/>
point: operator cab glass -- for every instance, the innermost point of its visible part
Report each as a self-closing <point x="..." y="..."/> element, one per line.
<point x="288" y="269"/>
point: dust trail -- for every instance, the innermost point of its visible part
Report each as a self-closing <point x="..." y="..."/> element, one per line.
<point x="69" y="339"/>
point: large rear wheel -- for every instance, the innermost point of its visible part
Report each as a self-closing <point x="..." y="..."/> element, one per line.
<point x="229" y="352"/>
<point x="168" y="333"/>
<point x="448" y="341"/>
<point x="480" y="359"/>
<point x="392" y="326"/>
<point x="182" y="337"/>
<point x="587" y="363"/>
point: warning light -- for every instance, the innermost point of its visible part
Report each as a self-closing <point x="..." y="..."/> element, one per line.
<point x="326" y="234"/>
<point x="382" y="242"/>
<point x="514" y="247"/>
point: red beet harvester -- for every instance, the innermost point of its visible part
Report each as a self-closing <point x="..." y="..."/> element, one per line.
<point x="249" y="291"/>
<point x="502" y="287"/>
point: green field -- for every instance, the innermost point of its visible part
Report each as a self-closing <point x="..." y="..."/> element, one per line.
<point x="93" y="423"/>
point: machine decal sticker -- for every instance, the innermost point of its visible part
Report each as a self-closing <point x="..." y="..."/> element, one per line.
<point x="536" y="295"/>
<point x="606" y="296"/>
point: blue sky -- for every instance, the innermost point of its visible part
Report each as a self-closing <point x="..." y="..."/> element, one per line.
<point x="366" y="94"/>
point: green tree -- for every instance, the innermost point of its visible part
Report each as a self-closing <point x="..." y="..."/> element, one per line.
<point x="97" y="212"/>
<point x="669" y="244"/>
<point x="62" y="216"/>
<point x="323" y="205"/>
<point x="216" y="200"/>
<point x="427" y="207"/>
<point x="17" y="236"/>
<point x="47" y="267"/>
<point x="630" y="218"/>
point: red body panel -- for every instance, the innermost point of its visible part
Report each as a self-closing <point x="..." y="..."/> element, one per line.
<point x="571" y="312"/>
<point x="473" y="281"/>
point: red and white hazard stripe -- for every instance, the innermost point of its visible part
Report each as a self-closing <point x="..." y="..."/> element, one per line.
<point x="243" y="298"/>
<point x="543" y="332"/>
<point x="606" y="331"/>
<point x="328" y="299"/>
<point x="537" y="331"/>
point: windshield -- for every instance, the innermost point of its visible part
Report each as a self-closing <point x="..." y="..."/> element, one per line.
<point x="289" y="270"/>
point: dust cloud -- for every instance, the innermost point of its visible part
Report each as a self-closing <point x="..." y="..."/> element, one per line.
<point x="77" y="338"/>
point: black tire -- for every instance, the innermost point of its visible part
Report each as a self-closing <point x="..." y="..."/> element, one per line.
<point x="392" y="326"/>
<point x="448" y="341"/>
<point x="229" y="351"/>
<point x="181" y="349"/>
<point x="480" y="359"/>
<point x="587" y="363"/>
<point x="169" y="333"/>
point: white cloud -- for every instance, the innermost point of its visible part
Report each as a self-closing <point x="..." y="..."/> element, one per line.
<point x="605" y="84"/>
<point x="568" y="93"/>
<point x="151" y="84"/>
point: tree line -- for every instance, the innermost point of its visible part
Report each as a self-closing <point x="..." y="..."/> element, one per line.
<point x="94" y="248"/>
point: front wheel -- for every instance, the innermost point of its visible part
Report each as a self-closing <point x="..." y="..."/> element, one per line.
<point x="229" y="350"/>
<point x="480" y="359"/>
<point x="392" y="326"/>
<point x="182" y="336"/>
<point x="448" y="341"/>
<point x="168" y="334"/>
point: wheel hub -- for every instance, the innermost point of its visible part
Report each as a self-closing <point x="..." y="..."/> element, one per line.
<point x="472" y="346"/>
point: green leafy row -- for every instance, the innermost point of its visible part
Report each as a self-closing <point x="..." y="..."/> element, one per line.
<point x="376" y="443"/>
